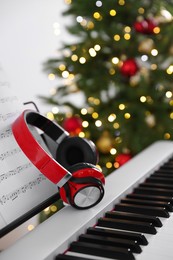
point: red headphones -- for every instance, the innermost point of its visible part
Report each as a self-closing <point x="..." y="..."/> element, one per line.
<point x="80" y="182"/>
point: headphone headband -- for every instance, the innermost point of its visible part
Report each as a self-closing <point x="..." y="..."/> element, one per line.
<point x="40" y="158"/>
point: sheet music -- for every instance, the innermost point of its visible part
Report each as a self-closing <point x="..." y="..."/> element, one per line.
<point x="22" y="186"/>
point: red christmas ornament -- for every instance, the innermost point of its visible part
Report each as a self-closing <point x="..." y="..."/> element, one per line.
<point x="145" y="26"/>
<point x="73" y="125"/>
<point x="123" y="158"/>
<point x="129" y="68"/>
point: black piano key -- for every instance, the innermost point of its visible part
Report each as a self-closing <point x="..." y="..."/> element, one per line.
<point x="166" y="205"/>
<point x="135" y="217"/>
<point x="146" y="210"/>
<point x="162" y="175"/>
<point x="150" y="197"/>
<point x="102" y="250"/>
<point x="140" y="238"/>
<point x="117" y="242"/>
<point x="165" y="171"/>
<point x="127" y="225"/>
<point x="157" y="185"/>
<point x="70" y="257"/>
<point x="159" y="180"/>
<point x="166" y="166"/>
<point x="151" y="191"/>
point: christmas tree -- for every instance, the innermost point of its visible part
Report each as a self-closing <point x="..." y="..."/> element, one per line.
<point x="120" y="68"/>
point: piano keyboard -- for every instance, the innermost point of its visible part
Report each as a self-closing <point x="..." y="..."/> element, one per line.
<point x="133" y="221"/>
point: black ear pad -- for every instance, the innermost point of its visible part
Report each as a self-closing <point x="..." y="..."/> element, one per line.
<point x="87" y="182"/>
<point x="73" y="150"/>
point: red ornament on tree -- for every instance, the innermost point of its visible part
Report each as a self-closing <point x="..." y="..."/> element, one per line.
<point x="123" y="158"/>
<point x="145" y="26"/>
<point x="129" y="68"/>
<point x="73" y="125"/>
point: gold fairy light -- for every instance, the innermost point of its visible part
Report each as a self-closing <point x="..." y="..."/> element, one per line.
<point x="90" y="25"/>
<point x="154" y="52"/>
<point x="171" y="115"/>
<point x="171" y="102"/>
<point x="55" y="110"/>
<point x="112" y="12"/>
<point x="141" y="10"/>
<point x="170" y="70"/>
<point x="121" y="2"/>
<point x="82" y="60"/>
<point x="116" y="125"/>
<point x="74" y="57"/>
<point x="65" y="74"/>
<point x="97" y="47"/>
<point x="121" y="106"/>
<point x="108" y="165"/>
<point x="156" y="30"/>
<point x="115" y="60"/>
<point x="50" y="115"/>
<point x="113" y="151"/>
<point x="98" y="123"/>
<point x="85" y="124"/>
<point x="143" y="99"/>
<point x="116" y="165"/>
<point x="81" y="134"/>
<point x="51" y="76"/>
<point x="92" y="52"/>
<point x="68" y="2"/>
<point x="53" y="208"/>
<point x="116" y="37"/>
<point x="153" y="66"/>
<point x="97" y="16"/>
<point x="127" y="36"/>
<point x="96" y="101"/>
<point x="62" y="67"/>
<point x="111" y="117"/>
<point x="127" y="29"/>
<point x="95" y="115"/>
<point x="168" y="94"/>
<point x="84" y="111"/>
<point x="30" y="227"/>
<point x="112" y="71"/>
<point x="127" y="116"/>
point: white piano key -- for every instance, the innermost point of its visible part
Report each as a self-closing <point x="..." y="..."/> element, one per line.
<point x="88" y="256"/>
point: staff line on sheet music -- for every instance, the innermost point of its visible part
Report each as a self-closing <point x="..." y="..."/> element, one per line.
<point x="14" y="171"/>
<point x="23" y="189"/>
<point x="7" y="154"/>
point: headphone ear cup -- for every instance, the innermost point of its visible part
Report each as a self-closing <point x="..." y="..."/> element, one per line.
<point x="74" y="150"/>
<point x="86" y="187"/>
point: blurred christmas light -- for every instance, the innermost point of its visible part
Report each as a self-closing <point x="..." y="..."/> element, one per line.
<point x="127" y="36"/>
<point x="79" y="19"/>
<point x="167" y="14"/>
<point x="50" y="115"/>
<point x="168" y="94"/>
<point x="84" y="111"/>
<point x="154" y="52"/>
<point x="121" y="106"/>
<point x="51" y="76"/>
<point x="98" y="3"/>
<point x="55" y="110"/>
<point x="85" y="124"/>
<point x="117" y="37"/>
<point x="111" y="117"/>
<point x="74" y="57"/>
<point x="82" y="60"/>
<point x="127" y="29"/>
<point x="65" y="74"/>
<point x="97" y="15"/>
<point x="127" y="116"/>
<point x="62" y="67"/>
<point x="112" y="12"/>
<point x="141" y="10"/>
<point x="170" y="69"/>
<point x="144" y="57"/>
<point x="143" y="99"/>
<point x="108" y="165"/>
<point x="30" y="227"/>
<point x="115" y="60"/>
<point x="92" y="52"/>
<point x="113" y="151"/>
<point x="97" y="47"/>
<point x="116" y="125"/>
<point x="98" y="123"/>
<point x="95" y="115"/>
<point x="81" y="134"/>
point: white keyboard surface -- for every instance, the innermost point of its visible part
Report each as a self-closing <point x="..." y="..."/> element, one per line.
<point x="54" y="236"/>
